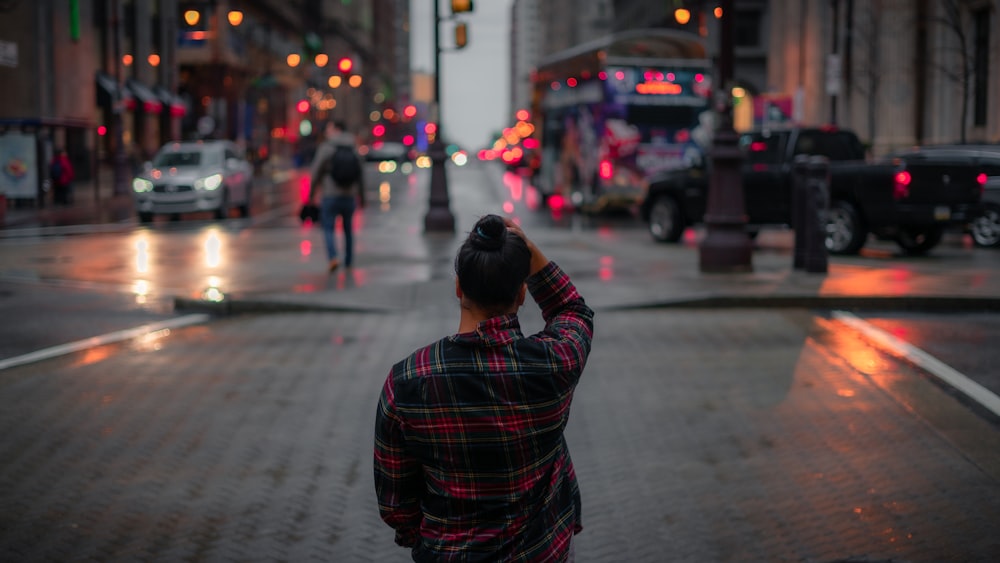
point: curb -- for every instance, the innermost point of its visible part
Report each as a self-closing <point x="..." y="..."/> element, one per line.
<point x="240" y="307"/>
<point x="922" y="304"/>
<point x="927" y="304"/>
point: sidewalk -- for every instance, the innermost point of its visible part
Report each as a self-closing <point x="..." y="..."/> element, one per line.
<point x="617" y="268"/>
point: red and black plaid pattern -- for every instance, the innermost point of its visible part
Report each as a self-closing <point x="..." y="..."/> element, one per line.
<point x="470" y="459"/>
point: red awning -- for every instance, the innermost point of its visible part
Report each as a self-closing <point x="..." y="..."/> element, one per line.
<point x="148" y="101"/>
<point x="174" y="103"/>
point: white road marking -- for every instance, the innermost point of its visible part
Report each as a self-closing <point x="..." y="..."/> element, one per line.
<point x="104" y="339"/>
<point x="936" y="367"/>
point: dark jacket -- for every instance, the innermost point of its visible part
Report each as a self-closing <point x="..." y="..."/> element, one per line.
<point x="321" y="179"/>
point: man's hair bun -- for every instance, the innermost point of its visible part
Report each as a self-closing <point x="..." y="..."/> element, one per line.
<point x="489" y="233"/>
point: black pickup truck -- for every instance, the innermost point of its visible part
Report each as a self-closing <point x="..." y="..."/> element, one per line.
<point x="910" y="198"/>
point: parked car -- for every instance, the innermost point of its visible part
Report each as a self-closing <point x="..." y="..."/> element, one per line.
<point x="910" y="199"/>
<point x="187" y="177"/>
<point x="985" y="228"/>
<point x="380" y="151"/>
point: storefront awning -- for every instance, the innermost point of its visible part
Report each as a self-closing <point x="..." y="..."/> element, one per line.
<point x="149" y="102"/>
<point x="174" y="103"/>
<point x="108" y="92"/>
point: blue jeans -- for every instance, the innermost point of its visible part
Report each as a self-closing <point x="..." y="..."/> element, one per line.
<point x="329" y="208"/>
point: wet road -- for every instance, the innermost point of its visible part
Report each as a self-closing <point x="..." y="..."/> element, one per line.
<point x="65" y="283"/>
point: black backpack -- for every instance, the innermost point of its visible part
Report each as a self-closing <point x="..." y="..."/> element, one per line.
<point x="344" y="167"/>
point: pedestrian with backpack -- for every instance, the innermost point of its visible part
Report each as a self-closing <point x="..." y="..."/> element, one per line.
<point x="338" y="183"/>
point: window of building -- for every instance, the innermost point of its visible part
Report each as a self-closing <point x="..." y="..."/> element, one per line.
<point x="981" y="65"/>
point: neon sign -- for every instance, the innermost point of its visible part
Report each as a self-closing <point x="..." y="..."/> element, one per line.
<point x="658" y="87"/>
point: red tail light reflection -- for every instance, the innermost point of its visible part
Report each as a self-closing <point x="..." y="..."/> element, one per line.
<point x="981" y="180"/>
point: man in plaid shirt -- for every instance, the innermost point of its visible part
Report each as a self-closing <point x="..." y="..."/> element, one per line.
<point x="470" y="459"/>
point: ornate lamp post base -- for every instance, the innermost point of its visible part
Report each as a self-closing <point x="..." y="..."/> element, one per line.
<point x="439" y="217"/>
<point x="726" y="247"/>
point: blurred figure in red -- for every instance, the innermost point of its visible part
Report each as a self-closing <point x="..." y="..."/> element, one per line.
<point x="61" y="173"/>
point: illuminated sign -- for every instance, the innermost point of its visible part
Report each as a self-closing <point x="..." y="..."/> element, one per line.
<point x="658" y="87"/>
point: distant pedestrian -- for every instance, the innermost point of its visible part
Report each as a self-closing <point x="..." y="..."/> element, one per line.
<point x="470" y="459"/>
<point x="338" y="181"/>
<point x="61" y="174"/>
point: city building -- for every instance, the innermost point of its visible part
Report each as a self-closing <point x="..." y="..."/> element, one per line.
<point x="525" y="39"/>
<point x="900" y="73"/>
<point x="112" y="80"/>
<point x="566" y="23"/>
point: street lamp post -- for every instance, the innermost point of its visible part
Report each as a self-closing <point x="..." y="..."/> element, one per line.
<point x="439" y="217"/>
<point x="726" y="247"/>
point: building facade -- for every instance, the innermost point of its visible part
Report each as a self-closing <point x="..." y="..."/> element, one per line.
<point x="113" y="80"/>
<point x="524" y="51"/>
<point x="566" y="23"/>
<point x="898" y="72"/>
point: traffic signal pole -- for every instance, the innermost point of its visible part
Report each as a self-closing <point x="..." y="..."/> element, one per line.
<point x="439" y="217"/>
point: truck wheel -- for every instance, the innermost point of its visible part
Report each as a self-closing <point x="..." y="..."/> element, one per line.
<point x="844" y="233"/>
<point x="145" y="217"/>
<point x="916" y="241"/>
<point x="986" y="228"/>
<point x="665" y="220"/>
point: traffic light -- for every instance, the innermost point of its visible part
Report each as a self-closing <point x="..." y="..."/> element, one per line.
<point x="459" y="6"/>
<point x="302" y="106"/>
<point x="461" y="35"/>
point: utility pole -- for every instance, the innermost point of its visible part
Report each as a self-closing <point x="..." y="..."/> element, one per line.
<point x="439" y="217"/>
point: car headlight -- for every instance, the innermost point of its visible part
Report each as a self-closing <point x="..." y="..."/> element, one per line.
<point x="210" y="183"/>
<point x="141" y="185"/>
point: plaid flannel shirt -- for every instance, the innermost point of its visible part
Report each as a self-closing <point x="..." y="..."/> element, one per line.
<point x="470" y="459"/>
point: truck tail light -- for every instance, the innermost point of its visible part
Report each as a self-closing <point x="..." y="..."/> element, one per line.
<point x="981" y="180"/>
<point x="901" y="185"/>
<point x="606" y="170"/>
